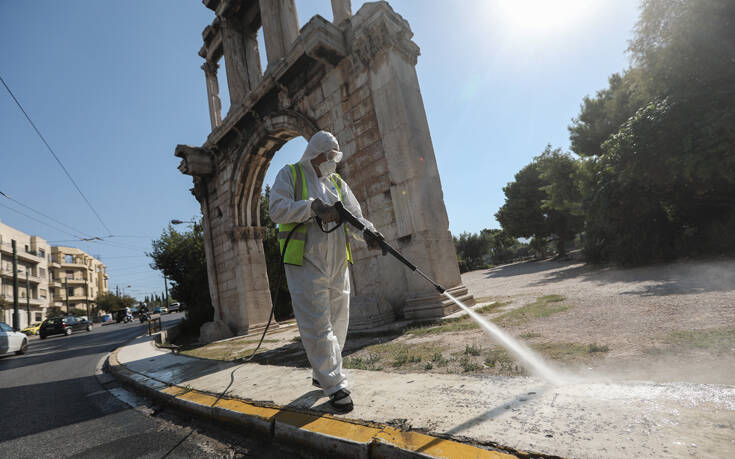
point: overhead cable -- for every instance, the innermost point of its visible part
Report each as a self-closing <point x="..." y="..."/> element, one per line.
<point x="43" y="215"/>
<point x="51" y="150"/>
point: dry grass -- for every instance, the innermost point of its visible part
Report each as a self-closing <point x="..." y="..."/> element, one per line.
<point x="544" y="306"/>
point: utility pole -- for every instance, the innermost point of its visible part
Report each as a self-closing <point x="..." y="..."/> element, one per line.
<point x="66" y="290"/>
<point x="16" y="313"/>
<point x="165" y="288"/>
<point x="28" y="298"/>
<point x="89" y="318"/>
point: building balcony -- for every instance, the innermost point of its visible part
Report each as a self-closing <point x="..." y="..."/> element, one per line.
<point x="54" y="264"/>
<point x="73" y="281"/>
<point x="54" y="283"/>
<point x="22" y="301"/>
<point x="22" y="254"/>
<point x="8" y="273"/>
<point x="73" y="265"/>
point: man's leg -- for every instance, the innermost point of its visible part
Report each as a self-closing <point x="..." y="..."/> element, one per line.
<point x="339" y="302"/>
<point x="310" y="298"/>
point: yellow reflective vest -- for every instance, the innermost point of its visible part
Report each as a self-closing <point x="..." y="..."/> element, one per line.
<point x="295" y="249"/>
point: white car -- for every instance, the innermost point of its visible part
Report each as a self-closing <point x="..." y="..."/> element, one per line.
<point x="12" y="341"/>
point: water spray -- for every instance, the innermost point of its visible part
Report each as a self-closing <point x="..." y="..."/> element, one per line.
<point x="520" y="351"/>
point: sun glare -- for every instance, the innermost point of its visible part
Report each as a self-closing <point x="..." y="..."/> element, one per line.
<point x="541" y="17"/>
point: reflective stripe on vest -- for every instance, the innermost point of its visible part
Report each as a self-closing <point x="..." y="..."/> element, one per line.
<point x="337" y="184"/>
<point x="295" y="250"/>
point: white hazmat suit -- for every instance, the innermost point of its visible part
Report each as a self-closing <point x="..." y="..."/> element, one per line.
<point x="320" y="288"/>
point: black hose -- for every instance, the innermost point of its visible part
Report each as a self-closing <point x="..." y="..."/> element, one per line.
<point x="243" y="361"/>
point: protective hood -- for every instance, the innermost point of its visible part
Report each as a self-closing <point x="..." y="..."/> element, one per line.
<point x="321" y="142"/>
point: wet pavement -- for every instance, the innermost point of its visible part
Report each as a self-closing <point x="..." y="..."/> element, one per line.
<point x="584" y="418"/>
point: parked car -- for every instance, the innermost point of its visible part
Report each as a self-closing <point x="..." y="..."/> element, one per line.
<point x="174" y="307"/>
<point x="63" y="326"/>
<point x="12" y="341"/>
<point x="106" y="318"/>
<point x="161" y="310"/>
<point x="32" y="329"/>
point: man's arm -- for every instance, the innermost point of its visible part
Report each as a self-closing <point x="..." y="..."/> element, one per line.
<point x="282" y="207"/>
<point x="351" y="204"/>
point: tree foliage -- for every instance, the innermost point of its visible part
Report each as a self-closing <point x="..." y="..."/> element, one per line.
<point x="181" y="258"/>
<point x="489" y="247"/>
<point x="656" y="178"/>
<point x="111" y="303"/>
<point x="544" y="202"/>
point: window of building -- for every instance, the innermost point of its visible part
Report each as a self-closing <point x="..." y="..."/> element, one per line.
<point x="70" y="291"/>
<point x="70" y="274"/>
<point x="43" y="293"/>
<point x="41" y="253"/>
<point x="38" y="316"/>
<point x="68" y="259"/>
<point x="42" y="272"/>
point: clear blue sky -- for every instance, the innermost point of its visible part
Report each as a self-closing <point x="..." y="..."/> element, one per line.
<point x="114" y="86"/>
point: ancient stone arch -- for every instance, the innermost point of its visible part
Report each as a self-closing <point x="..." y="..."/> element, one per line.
<point x="356" y="78"/>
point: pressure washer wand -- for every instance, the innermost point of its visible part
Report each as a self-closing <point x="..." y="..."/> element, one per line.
<point x="346" y="216"/>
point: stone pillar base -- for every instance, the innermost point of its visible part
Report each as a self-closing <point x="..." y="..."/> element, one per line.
<point x="437" y="305"/>
<point x="369" y="312"/>
<point x="214" y="331"/>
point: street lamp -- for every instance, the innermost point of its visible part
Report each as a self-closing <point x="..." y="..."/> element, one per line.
<point x="179" y="222"/>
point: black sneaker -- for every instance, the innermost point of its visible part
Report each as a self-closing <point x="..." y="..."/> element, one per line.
<point x="341" y="401"/>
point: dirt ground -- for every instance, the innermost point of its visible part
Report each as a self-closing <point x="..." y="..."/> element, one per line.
<point x="667" y="322"/>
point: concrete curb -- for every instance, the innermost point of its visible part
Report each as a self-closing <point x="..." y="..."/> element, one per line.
<point x="320" y="433"/>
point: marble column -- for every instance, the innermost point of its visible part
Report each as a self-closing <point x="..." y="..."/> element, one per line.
<point x="280" y="26"/>
<point x="215" y="105"/>
<point x="341" y="11"/>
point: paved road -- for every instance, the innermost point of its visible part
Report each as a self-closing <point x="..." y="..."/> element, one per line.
<point x="52" y="405"/>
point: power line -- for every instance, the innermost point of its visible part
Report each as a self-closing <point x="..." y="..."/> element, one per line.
<point x="54" y="155"/>
<point x="40" y="221"/>
<point x="42" y="214"/>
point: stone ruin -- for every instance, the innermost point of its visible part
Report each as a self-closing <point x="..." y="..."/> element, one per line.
<point x="355" y="77"/>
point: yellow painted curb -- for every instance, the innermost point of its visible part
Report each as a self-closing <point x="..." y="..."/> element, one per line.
<point x="434" y="446"/>
<point x="379" y="439"/>
<point x="341" y="428"/>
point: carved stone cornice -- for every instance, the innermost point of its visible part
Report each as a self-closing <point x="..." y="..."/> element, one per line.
<point x="210" y="68"/>
<point x="378" y="27"/>
<point x="195" y="161"/>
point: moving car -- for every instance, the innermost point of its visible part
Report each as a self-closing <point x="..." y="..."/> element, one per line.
<point x="32" y="329"/>
<point x="174" y="307"/>
<point x="12" y="341"/>
<point x="63" y="326"/>
<point x="106" y="318"/>
<point x="161" y="310"/>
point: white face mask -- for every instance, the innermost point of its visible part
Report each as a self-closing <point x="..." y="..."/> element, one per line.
<point x="328" y="167"/>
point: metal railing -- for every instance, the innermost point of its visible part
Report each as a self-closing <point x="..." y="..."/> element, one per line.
<point x="154" y="325"/>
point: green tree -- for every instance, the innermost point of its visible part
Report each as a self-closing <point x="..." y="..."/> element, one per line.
<point x="472" y="251"/>
<point x="544" y="202"/>
<point x="663" y="180"/>
<point x="180" y="256"/>
<point x="112" y="303"/>
<point x="600" y="116"/>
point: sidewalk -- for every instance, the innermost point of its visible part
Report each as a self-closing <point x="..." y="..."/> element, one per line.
<point x="516" y="415"/>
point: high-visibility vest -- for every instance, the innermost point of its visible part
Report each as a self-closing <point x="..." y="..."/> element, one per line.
<point x="295" y="250"/>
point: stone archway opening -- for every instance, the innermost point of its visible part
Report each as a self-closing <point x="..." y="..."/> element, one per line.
<point x="289" y="153"/>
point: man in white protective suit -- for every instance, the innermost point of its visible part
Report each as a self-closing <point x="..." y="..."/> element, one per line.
<point x="316" y="262"/>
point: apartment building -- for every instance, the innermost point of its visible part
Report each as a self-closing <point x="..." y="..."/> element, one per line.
<point x="33" y="275"/>
<point x="76" y="278"/>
